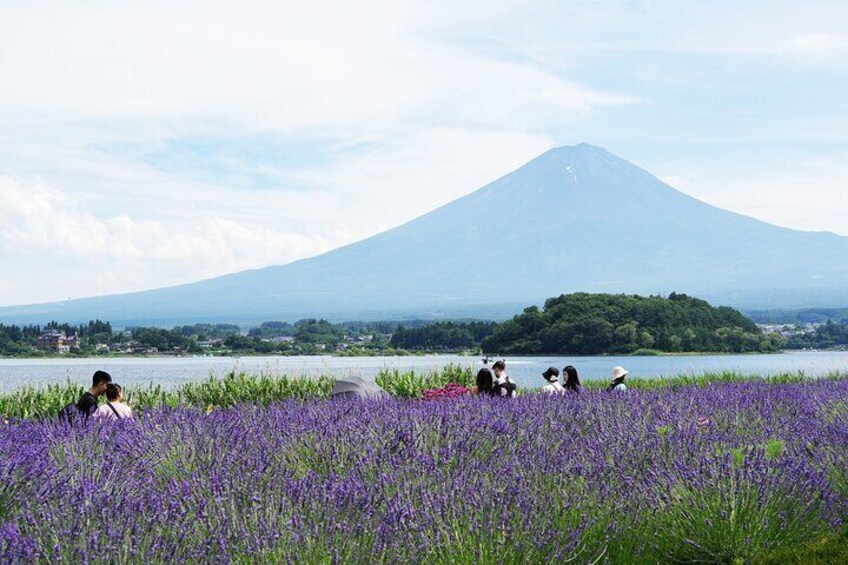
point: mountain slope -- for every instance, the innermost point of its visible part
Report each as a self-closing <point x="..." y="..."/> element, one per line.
<point x="573" y="219"/>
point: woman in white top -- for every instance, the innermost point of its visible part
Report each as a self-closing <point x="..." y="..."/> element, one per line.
<point x="114" y="409"/>
<point x="617" y="384"/>
<point x="552" y="376"/>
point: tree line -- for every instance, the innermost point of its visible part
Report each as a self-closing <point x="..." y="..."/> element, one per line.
<point x="829" y="335"/>
<point x="802" y="316"/>
<point x="575" y="324"/>
<point x="306" y="336"/>
<point x="443" y="336"/>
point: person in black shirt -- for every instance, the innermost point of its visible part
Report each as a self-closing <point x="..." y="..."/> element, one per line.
<point x="87" y="403"/>
<point x="503" y="384"/>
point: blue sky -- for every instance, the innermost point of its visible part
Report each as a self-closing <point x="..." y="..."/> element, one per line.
<point x="150" y="144"/>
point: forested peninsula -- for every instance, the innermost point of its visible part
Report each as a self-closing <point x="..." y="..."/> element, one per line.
<point x="594" y="324"/>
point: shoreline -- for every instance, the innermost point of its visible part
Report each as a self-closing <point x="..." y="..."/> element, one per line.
<point x="233" y="355"/>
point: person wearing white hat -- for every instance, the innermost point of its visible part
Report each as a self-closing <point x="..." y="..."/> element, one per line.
<point x="617" y="384"/>
<point x="552" y="376"/>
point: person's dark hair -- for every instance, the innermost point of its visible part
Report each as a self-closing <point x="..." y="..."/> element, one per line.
<point x="485" y="381"/>
<point x="101" y="377"/>
<point x="113" y="391"/>
<point x="500" y="364"/>
<point x="572" y="381"/>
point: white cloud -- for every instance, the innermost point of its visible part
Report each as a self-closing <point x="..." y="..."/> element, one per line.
<point x="266" y="66"/>
<point x="44" y="221"/>
<point x="755" y="30"/>
<point x="819" y="48"/>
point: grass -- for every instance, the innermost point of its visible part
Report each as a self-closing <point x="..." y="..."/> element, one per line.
<point x="410" y="384"/>
<point x="708" y="379"/>
<point x="827" y="550"/>
<point x="645" y="352"/>
<point x="216" y="392"/>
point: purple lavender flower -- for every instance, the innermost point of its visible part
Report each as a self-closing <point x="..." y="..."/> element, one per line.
<point x="585" y="477"/>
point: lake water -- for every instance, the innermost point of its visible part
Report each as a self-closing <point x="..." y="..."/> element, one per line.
<point x="526" y="371"/>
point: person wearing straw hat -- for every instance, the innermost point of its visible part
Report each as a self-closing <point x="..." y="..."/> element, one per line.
<point x="617" y="384"/>
<point x="551" y="375"/>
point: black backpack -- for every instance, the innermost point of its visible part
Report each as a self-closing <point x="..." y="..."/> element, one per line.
<point x="506" y="389"/>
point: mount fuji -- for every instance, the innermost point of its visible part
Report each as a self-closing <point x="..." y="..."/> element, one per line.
<point x="572" y="219"/>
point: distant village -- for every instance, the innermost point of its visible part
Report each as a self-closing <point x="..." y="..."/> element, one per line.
<point x="811" y="335"/>
<point x="790" y="330"/>
<point x="302" y="338"/>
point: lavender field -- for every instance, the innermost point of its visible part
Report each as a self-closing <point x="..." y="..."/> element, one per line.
<point x="726" y="473"/>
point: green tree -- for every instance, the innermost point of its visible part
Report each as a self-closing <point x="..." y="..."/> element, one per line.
<point x="626" y="337"/>
<point x="689" y="340"/>
<point x="646" y="340"/>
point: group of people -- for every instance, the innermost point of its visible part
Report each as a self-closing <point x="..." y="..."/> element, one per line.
<point x="87" y="406"/>
<point x="495" y="381"/>
<point x="492" y="382"/>
<point x="571" y="384"/>
<point x="572" y="381"/>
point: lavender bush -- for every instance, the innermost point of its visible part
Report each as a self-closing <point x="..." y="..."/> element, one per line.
<point x="714" y="474"/>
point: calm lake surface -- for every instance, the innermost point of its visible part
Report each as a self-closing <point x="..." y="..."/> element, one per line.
<point x="526" y="371"/>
